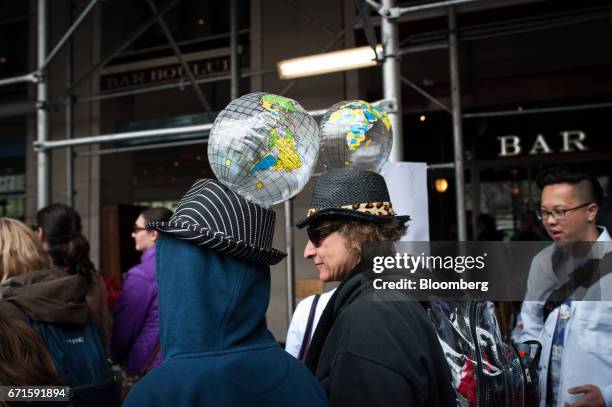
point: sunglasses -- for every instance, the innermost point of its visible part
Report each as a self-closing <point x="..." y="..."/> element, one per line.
<point x="137" y="229"/>
<point x="316" y="235"/>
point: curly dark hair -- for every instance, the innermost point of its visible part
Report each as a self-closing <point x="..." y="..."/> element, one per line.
<point x="357" y="233"/>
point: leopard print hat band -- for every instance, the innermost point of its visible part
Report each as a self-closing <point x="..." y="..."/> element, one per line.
<point x="371" y="208"/>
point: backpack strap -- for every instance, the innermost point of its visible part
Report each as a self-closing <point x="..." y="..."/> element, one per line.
<point x="307" y="332"/>
<point x="586" y="275"/>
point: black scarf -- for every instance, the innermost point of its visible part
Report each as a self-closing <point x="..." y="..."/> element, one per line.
<point x="351" y="287"/>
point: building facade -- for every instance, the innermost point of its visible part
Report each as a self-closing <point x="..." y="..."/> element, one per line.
<point x="536" y="91"/>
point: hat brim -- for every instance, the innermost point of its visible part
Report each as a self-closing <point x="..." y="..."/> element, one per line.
<point x="223" y="244"/>
<point x="348" y="214"/>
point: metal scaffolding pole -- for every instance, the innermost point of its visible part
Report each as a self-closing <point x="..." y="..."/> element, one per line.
<point x="142" y="147"/>
<point x="234" y="68"/>
<point x="42" y="118"/>
<point x="69" y="154"/>
<point x="426" y="94"/>
<point x="194" y="41"/>
<point x="391" y="78"/>
<point x="289" y="247"/>
<point x="134" y="135"/>
<point x="109" y="138"/>
<point x="537" y="110"/>
<point x="31" y="77"/>
<point x="457" y="125"/>
<point x="69" y="118"/>
<point x="429" y="6"/>
<point x="179" y="55"/>
<point x="67" y="35"/>
<point x="131" y="38"/>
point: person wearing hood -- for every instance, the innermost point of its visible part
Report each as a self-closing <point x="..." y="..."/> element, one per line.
<point x="213" y="273"/>
<point x="371" y="347"/>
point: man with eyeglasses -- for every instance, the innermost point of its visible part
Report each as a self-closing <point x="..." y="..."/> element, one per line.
<point x="576" y="335"/>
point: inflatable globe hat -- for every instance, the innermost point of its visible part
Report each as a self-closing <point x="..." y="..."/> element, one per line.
<point x="355" y="134"/>
<point x="264" y="147"/>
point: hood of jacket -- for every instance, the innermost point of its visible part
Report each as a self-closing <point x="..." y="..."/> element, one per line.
<point x="53" y="296"/>
<point x="209" y="302"/>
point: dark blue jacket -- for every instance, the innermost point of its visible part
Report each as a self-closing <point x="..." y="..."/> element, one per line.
<point x="217" y="349"/>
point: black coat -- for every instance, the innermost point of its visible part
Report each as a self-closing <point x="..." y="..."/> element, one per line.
<point x="378" y="348"/>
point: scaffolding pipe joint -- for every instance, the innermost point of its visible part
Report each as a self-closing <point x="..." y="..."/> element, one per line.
<point x="39" y="146"/>
<point x="42" y="105"/>
<point x="38" y="77"/>
<point x="388" y="105"/>
<point x="390" y="12"/>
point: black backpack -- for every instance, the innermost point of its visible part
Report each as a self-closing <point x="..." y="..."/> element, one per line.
<point x="80" y="360"/>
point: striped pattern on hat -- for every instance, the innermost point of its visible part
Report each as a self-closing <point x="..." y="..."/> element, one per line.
<point x="213" y="216"/>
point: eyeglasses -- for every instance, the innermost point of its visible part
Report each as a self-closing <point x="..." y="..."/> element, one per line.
<point x="557" y="213"/>
<point x="316" y="235"/>
<point x="137" y="229"/>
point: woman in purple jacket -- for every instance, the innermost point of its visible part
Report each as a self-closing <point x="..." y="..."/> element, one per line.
<point x="135" y="333"/>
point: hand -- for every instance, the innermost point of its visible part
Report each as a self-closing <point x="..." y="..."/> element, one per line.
<point x="592" y="396"/>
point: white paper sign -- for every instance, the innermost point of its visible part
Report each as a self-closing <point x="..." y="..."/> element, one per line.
<point x="407" y="183"/>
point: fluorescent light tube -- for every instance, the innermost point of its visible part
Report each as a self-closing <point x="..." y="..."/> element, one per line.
<point x="336" y="61"/>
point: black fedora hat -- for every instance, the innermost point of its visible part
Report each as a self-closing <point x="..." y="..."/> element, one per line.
<point x="213" y="216"/>
<point x="351" y="194"/>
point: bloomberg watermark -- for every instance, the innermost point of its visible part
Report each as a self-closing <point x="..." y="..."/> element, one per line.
<point x="496" y="271"/>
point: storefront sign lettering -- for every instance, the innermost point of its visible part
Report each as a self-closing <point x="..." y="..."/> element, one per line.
<point x="165" y="69"/>
<point x="572" y="140"/>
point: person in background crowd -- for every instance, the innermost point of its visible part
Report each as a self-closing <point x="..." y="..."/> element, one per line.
<point x="135" y="333"/>
<point x="59" y="228"/>
<point x="487" y="229"/>
<point x="213" y="274"/>
<point x="576" y="361"/>
<point x="53" y="301"/>
<point x="370" y="347"/>
<point x="24" y="360"/>
<point x="20" y="253"/>
<point x="304" y="322"/>
<point x="529" y="230"/>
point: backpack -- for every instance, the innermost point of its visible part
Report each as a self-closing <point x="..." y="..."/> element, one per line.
<point x="486" y="372"/>
<point x="80" y="360"/>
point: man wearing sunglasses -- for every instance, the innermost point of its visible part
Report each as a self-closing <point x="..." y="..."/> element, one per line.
<point x="369" y="348"/>
<point x="576" y="335"/>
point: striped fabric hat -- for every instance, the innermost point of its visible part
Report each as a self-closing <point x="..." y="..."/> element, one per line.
<point x="213" y="216"/>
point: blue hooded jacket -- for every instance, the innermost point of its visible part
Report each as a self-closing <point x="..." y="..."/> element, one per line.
<point x="217" y="348"/>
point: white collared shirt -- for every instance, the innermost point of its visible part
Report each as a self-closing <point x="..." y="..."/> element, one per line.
<point x="587" y="355"/>
<point x="295" y="333"/>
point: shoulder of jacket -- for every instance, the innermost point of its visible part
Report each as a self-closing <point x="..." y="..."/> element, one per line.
<point x="11" y="310"/>
<point x="137" y="272"/>
<point x="368" y="310"/>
